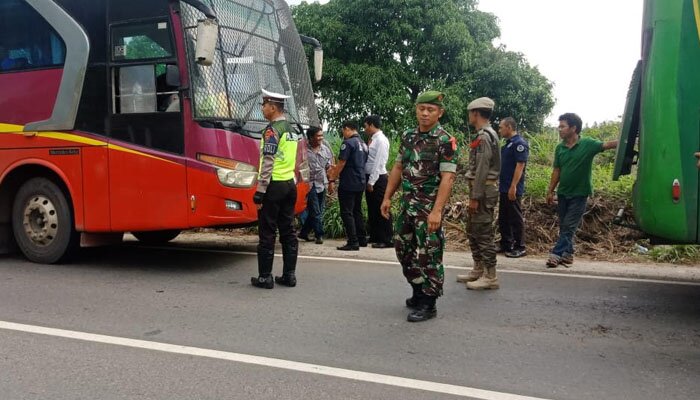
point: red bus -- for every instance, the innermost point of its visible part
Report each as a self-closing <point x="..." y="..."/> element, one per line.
<point x="138" y="116"/>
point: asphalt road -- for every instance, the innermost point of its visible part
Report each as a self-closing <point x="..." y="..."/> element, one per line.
<point x="340" y="334"/>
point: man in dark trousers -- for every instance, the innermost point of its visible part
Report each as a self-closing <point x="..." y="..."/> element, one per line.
<point x="351" y="171"/>
<point x="511" y="186"/>
<point x="425" y="170"/>
<point x="276" y="194"/>
<point x="380" y="230"/>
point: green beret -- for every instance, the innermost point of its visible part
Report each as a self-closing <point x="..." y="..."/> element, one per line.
<point x="431" y="97"/>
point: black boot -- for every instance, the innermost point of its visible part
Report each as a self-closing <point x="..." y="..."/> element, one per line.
<point x="289" y="258"/>
<point x="414" y="301"/>
<point x="426" y="310"/>
<point x="264" y="279"/>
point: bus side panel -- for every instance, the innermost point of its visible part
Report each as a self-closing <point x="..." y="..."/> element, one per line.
<point x="96" y="189"/>
<point x="28" y="96"/>
<point x="147" y="192"/>
<point x="661" y="147"/>
<point x="689" y="117"/>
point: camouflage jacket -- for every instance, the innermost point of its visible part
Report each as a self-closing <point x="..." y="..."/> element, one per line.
<point x="423" y="157"/>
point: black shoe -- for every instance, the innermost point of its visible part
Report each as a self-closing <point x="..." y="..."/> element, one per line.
<point x="425" y="311"/>
<point x="263" y="282"/>
<point x="380" y="245"/>
<point x="304" y="237"/>
<point x="286" y="280"/>
<point x="363" y="244"/>
<point x="349" y="247"/>
<point x="319" y="239"/>
<point x="414" y="301"/>
<point x="516" y="253"/>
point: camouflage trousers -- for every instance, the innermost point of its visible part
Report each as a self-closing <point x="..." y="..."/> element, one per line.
<point x="420" y="253"/>
<point x="481" y="230"/>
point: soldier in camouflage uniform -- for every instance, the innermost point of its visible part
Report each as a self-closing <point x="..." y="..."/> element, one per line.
<point x="425" y="167"/>
<point x="484" y="168"/>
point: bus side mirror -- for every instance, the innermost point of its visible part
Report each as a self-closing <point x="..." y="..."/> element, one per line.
<point x="172" y="76"/>
<point x="207" y="35"/>
<point x="318" y="64"/>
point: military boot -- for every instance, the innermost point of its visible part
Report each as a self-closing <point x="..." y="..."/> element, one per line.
<point x="264" y="279"/>
<point x="289" y="259"/>
<point x="425" y="311"/>
<point x="488" y="280"/>
<point x="473" y="275"/>
<point x="414" y="301"/>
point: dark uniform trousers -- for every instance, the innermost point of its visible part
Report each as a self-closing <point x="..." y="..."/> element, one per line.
<point x="277" y="212"/>
<point x="351" y="214"/>
<point x="510" y="223"/>
<point x="380" y="228"/>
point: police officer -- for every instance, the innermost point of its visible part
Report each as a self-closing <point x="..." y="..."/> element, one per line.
<point x="276" y="194"/>
<point x="425" y="168"/>
<point x="484" y="168"/>
<point x="511" y="185"/>
<point x="351" y="170"/>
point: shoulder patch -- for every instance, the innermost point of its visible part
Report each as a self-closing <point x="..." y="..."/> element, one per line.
<point x="520" y="148"/>
<point x="453" y="141"/>
<point x="343" y="146"/>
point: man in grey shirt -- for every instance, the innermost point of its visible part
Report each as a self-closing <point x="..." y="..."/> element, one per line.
<point x="380" y="230"/>
<point x="320" y="158"/>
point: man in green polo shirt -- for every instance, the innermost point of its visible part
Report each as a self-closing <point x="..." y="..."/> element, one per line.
<point x="573" y="164"/>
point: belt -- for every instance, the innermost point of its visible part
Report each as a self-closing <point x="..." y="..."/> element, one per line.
<point x="487" y="182"/>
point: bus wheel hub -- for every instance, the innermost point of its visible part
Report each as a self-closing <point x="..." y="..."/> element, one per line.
<point x="40" y="220"/>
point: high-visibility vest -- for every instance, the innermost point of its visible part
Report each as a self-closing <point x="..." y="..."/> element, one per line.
<point x="286" y="156"/>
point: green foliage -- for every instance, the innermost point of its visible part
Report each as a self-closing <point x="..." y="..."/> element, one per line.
<point x="381" y="55"/>
<point x="675" y="254"/>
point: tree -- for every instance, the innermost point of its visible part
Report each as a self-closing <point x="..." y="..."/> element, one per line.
<point x="381" y="54"/>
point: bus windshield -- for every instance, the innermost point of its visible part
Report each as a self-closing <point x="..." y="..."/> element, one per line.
<point x="258" y="48"/>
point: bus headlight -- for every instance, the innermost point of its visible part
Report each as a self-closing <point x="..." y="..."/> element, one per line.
<point x="232" y="173"/>
<point x="237" y="177"/>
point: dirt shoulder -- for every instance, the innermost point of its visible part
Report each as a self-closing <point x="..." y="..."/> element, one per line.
<point x="531" y="263"/>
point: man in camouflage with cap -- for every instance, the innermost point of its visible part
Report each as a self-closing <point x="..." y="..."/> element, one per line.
<point x="484" y="168"/>
<point x="425" y="168"/>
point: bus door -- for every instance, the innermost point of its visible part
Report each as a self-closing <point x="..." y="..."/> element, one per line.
<point x="148" y="178"/>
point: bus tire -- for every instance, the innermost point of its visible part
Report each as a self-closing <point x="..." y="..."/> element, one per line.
<point x="156" y="237"/>
<point x="42" y="222"/>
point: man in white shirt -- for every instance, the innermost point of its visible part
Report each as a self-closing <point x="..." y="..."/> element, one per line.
<point x="380" y="228"/>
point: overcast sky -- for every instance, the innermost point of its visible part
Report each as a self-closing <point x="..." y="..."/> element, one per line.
<point x="588" y="48"/>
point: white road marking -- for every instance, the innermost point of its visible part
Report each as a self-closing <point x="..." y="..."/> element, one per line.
<point x="507" y="271"/>
<point x="389" y="380"/>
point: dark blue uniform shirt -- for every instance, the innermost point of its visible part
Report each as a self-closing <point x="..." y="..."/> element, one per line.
<point x="515" y="150"/>
<point x="352" y="177"/>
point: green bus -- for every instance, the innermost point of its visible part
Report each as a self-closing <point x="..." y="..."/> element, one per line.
<point x="661" y="124"/>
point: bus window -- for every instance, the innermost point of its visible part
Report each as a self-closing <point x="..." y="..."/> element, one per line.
<point x="145" y="89"/>
<point x="137" y="89"/>
<point x="142" y="41"/>
<point x="21" y="48"/>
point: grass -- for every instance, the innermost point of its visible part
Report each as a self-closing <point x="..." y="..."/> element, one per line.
<point x="675" y="254"/>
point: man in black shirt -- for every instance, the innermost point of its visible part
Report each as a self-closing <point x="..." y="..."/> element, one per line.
<point x="351" y="170"/>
